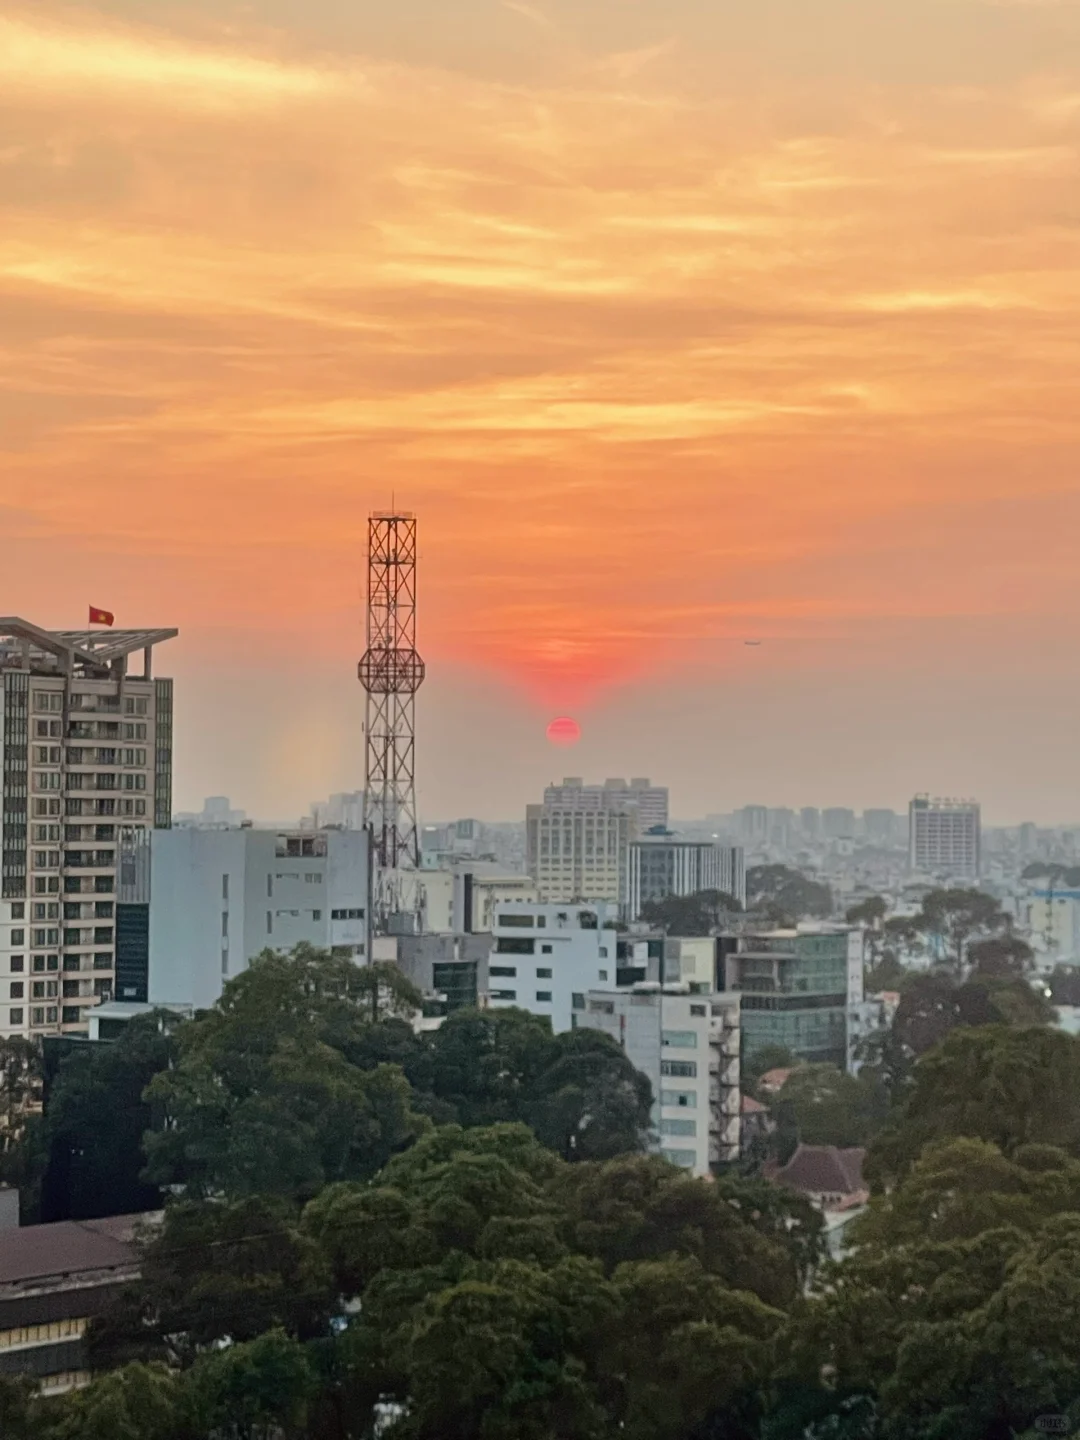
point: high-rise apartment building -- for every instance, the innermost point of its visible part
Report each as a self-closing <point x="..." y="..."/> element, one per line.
<point x="662" y="864"/>
<point x="86" y="738"/>
<point x="945" y="838"/>
<point x="647" y="802"/>
<point x="576" y="849"/>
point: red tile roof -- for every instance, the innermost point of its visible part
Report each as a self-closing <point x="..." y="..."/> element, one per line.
<point x="823" y="1170"/>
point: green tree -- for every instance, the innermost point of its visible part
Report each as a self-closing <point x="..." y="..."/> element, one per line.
<point x="1001" y="957"/>
<point x="1008" y="1086"/>
<point x="953" y="918"/>
<point x="261" y="1390"/>
<point x="139" y="1402"/>
<point x="589" y="1101"/>
<point x="95" y="1121"/>
<point x="870" y="912"/>
<point x="262" y="1099"/>
<point x="887" y="974"/>
<point x="825" y="1106"/>
<point x="786" y="895"/>
<point x="699" y="914"/>
<point x="217" y="1273"/>
<point x="485" y="1064"/>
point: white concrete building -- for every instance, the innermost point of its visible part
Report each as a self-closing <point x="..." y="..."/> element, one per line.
<point x="214" y="899"/>
<point x="578" y="852"/>
<point x="1053" y="921"/>
<point x="688" y="1046"/>
<point x="944" y="838"/>
<point x="661" y="865"/>
<point x="545" y="957"/>
<point x="86" y="740"/>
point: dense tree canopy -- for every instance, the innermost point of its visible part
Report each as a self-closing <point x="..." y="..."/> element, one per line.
<point x="697" y="914"/>
<point x="379" y="1235"/>
<point x="786" y="895"/>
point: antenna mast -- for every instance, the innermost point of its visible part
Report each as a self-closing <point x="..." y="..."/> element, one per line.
<point x="391" y="672"/>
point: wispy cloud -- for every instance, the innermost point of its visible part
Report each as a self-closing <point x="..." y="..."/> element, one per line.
<point x="39" y="57"/>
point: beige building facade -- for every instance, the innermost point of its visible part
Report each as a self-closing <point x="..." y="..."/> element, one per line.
<point x="86" y="736"/>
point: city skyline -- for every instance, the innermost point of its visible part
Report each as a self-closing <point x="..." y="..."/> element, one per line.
<point x="679" y="326"/>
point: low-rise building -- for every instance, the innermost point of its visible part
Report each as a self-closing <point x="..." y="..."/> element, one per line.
<point x="798" y="986"/>
<point x="196" y="906"/>
<point x="53" y="1280"/>
<point x="542" y="956"/>
<point x="688" y="1046"/>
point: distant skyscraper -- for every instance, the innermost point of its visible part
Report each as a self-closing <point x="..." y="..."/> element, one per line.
<point x="87" y="756"/>
<point x="838" y="823"/>
<point x="753" y="821"/>
<point x="577" y="843"/>
<point x="810" y="822"/>
<point x="882" y="827"/>
<point x="647" y="801"/>
<point x="945" y="838"/>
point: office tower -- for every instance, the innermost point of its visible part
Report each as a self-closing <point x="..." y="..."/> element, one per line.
<point x="688" y="1046"/>
<point x="196" y="906"/>
<point x="578" y="849"/>
<point x="944" y="838"/>
<point x="797" y="987"/>
<point x="647" y="802"/>
<point x="87" y="746"/>
<point x="664" y="865"/>
<point x="810" y="822"/>
<point x="881" y="827"/>
<point x="838" y="823"/>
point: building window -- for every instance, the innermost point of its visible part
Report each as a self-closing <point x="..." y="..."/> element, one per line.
<point x="683" y="1069"/>
<point x="577" y="1001"/>
<point x="346" y="914"/>
<point x="17" y="963"/>
<point x="504" y="994"/>
<point x="511" y="945"/>
<point x="269" y="923"/>
<point x="698" y="1010"/>
<point x="16" y="1017"/>
<point x="515" y="922"/>
<point x="542" y="974"/>
<point x="18" y="911"/>
<point x="72" y="1015"/>
<point x="16" y="990"/>
<point x="603" y="974"/>
<point x="18" y="937"/>
<point x="545" y="949"/>
<point x="684" y="1098"/>
<point x="678" y="1127"/>
<point x="685" y="1159"/>
<point x="225" y="888"/>
<point x="504" y="971"/>
<point x="543" y="997"/>
<point x="679" y="1039"/>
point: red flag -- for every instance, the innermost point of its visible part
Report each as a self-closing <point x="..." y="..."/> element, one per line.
<point x="100" y="617"/>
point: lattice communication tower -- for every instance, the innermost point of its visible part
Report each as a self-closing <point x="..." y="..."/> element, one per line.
<point x="391" y="672"/>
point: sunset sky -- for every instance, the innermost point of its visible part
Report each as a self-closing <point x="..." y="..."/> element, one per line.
<point x="676" y="322"/>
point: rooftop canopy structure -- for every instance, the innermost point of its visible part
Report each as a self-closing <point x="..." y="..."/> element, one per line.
<point x="92" y="654"/>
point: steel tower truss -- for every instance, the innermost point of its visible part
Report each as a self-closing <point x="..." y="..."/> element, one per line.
<point x="391" y="672"/>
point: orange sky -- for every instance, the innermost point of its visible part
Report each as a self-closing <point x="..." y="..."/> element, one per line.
<point x="675" y="323"/>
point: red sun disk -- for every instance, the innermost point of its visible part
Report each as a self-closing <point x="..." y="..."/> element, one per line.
<point x="564" y="731"/>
